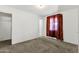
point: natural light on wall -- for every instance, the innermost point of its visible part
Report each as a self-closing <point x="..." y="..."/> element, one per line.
<point x="40" y="6"/>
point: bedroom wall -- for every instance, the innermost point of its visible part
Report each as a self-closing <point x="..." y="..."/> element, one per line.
<point x="70" y="25"/>
<point x="24" y="24"/>
<point x="5" y="27"/>
<point x="78" y="29"/>
<point x="41" y="26"/>
<point x="72" y="7"/>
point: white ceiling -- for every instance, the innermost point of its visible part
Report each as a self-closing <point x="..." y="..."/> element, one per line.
<point x="67" y="7"/>
<point x="47" y="10"/>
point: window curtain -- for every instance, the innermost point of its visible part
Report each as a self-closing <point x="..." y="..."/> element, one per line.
<point x="55" y="26"/>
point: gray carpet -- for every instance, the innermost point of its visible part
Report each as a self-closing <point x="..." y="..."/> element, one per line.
<point x="40" y="45"/>
<point x="5" y="43"/>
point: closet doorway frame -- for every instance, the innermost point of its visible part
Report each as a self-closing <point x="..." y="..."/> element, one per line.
<point x="11" y="23"/>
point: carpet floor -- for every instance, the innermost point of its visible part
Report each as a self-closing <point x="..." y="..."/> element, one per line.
<point x="40" y="45"/>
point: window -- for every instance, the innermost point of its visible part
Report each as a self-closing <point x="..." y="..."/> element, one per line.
<point x="56" y="23"/>
<point x="53" y="24"/>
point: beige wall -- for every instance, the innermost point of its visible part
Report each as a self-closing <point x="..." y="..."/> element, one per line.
<point x="24" y="24"/>
<point x="70" y="25"/>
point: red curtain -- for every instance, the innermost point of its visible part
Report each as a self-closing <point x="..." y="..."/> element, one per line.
<point x="56" y="28"/>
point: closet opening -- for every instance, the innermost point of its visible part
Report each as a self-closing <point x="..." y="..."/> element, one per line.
<point x="5" y="29"/>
